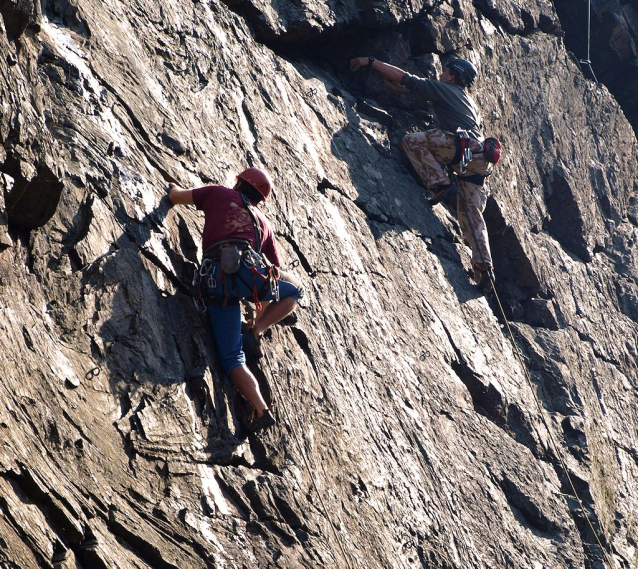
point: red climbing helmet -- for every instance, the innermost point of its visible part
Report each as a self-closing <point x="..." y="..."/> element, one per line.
<point x="258" y="179"/>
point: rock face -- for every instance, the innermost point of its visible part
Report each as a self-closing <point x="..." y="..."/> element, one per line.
<point x="612" y="46"/>
<point x="417" y="427"/>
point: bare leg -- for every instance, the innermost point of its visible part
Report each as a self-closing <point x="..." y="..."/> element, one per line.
<point x="247" y="385"/>
<point x="273" y="313"/>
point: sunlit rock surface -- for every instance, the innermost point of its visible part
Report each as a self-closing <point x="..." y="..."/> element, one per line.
<point x="413" y="431"/>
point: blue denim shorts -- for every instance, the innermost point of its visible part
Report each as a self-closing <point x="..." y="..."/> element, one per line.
<point x="225" y="321"/>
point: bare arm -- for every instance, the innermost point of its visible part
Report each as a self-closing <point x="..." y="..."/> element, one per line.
<point x="390" y="72"/>
<point x="179" y="196"/>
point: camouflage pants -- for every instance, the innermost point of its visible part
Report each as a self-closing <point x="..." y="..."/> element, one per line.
<point x="427" y="152"/>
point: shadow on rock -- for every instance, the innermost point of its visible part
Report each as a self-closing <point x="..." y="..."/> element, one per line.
<point x="159" y="353"/>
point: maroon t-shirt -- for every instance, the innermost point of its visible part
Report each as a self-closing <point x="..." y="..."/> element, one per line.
<point x="226" y="217"/>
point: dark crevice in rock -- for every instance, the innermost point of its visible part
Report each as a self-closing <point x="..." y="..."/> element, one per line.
<point x="566" y="218"/>
<point x="304" y="344"/>
<point x="75" y="259"/>
<point x="77" y="427"/>
<point x="287" y="538"/>
<point x="510" y="258"/>
<point x="187" y="243"/>
<point x="147" y="551"/>
<point x="326" y="184"/>
<point x="88" y="555"/>
<point x="263" y="462"/>
<point x="584" y="516"/>
<point x="489" y="402"/>
<point x="302" y="258"/>
<point x="17" y="15"/>
<point x="52" y="505"/>
<point x="175" y="281"/>
<point x="20" y="531"/>
<point x="251" y="123"/>
<point x="524" y="505"/>
<point x="528" y="25"/>
<point x="234" y="497"/>
<point x="486" y="399"/>
<point x="96" y="500"/>
<point x="27" y="339"/>
<point x="378" y="114"/>
<point x="147" y="253"/>
<point x="67" y="14"/>
<point x="139" y="126"/>
<point x="34" y="198"/>
<point x="81" y="224"/>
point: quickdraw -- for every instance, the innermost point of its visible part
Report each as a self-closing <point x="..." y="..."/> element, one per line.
<point x="463" y="155"/>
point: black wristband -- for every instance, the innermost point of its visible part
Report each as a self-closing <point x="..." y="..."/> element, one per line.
<point x="371" y="59"/>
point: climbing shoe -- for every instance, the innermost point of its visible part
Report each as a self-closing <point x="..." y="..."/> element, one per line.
<point x="262" y="423"/>
<point x="251" y="345"/>
<point x="443" y="193"/>
<point x="486" y="279"/>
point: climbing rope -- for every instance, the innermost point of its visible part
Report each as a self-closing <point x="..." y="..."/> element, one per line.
<point x="297" y="428"/>
<point x="586" y="62"/>
<point x="541" y="411"/>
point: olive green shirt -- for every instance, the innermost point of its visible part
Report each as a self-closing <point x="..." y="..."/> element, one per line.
<point x="452" y="104"/>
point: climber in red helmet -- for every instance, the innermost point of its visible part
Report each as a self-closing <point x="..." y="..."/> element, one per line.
<point x="240" y="261"/>
<point x="458" y="143"/>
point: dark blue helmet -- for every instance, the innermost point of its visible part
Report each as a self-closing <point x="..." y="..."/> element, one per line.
<point x="464" y="69"/>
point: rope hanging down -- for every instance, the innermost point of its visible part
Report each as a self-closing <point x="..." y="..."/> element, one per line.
<point x="539" y="406"/>
<point x="586" y="62"/>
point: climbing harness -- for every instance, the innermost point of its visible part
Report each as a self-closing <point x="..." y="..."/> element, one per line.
<point x="295" y="430"/>
<point x="265" y="276"/>
<point x="491" y="149"/>
<point x="231" y="254"/>
<point x="586" y="62"/>
<point x="261" y="261"/>
<point x="539" y="406"/>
